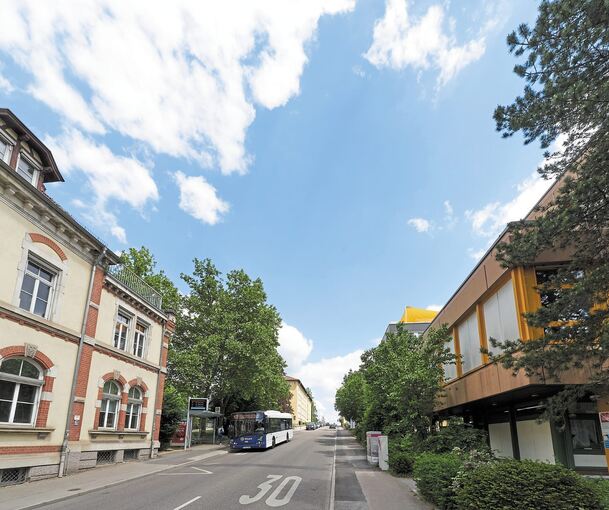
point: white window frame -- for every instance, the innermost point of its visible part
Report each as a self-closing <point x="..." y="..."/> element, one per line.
<point x="105" y="403"/>
<point x="131" y="403"/>
<point x="131" y="318"/>
<point x="33" y="259"/>
<point x="10" y="146"/>
<point x="146" y="326"/>
<point x="35" y="167"/>
<point x="19" y="380"/>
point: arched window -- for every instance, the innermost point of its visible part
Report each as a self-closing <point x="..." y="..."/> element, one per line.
<point x="134" y="408"/>
<point x="110" y="403"/>
<point x="20" y="383"/>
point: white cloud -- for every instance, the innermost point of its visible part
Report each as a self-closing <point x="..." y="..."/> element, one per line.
<point x="420" y="224"/>
<point x="5" y="85"/>
<point x="184" y="80"/>
<point x="435" y="308"/>
<point x="111" y="178"/>
<point x="476" y="254"/>
<point x="400" y="42"/>
<point x="491" y="219"/>
<point x="199" y="199"/>
<point x="294" y="347"/>
<point x="325" y="376"/>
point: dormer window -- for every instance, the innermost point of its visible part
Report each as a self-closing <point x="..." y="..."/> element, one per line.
<point x="26" y="170"/>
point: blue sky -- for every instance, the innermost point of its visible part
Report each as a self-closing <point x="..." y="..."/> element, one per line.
<point x="344" y="151"/>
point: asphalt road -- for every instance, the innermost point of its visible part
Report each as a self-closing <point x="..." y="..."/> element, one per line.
<point x="295" y="475"/>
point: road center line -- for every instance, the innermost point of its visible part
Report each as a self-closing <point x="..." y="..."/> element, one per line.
<point x="187" y="503"/>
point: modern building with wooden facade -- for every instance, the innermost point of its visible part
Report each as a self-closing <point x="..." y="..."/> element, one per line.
<point x="490" y="303"/>
<point x="83" y="342"/>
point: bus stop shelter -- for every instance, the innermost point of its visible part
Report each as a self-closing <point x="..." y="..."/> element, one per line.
<point x="201" y="424"/>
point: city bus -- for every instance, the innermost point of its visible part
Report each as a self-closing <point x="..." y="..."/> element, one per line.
<point x="260" y="429"/>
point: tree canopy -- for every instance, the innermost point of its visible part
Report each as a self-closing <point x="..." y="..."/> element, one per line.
<point x="226" y="341"/>
<point x="142" y="262"/>
<point x="396" y="387"/>
<point x="565" y="66"/>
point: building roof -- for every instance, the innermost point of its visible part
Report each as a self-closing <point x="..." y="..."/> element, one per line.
<point x="414" y="315"/>
<point x="50" y="171"/>
<point x="294" y="379"/>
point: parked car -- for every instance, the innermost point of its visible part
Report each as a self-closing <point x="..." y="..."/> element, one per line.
<point x="310" y="426"/>
<point x="332" y="425"/>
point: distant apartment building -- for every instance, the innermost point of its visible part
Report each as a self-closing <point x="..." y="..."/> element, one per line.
<point x="490" y="303"/>
<point x="300" y="400"/>
<point x="415" y="320"/>
<point x="83" y="342"/>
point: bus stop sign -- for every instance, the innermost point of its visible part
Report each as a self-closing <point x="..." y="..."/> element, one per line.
<point x="197" y="404"/>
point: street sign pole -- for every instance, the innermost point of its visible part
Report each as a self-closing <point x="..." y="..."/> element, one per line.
<point x="187" y="433"/>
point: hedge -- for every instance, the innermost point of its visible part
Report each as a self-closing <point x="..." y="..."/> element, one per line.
<point x="434" y="474"/>
<point x="526" y="485"/>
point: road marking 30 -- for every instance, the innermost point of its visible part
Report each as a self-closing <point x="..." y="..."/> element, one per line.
<point x="273" y="500"/>
<point x="187" y="503"/>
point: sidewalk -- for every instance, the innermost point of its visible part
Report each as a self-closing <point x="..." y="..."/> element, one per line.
<point x="32" y="494"/>
<point x="360" y="486"/>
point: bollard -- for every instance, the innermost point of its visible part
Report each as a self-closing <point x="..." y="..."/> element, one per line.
<point x="383" y="442"/>
<point x="372" y="446"/>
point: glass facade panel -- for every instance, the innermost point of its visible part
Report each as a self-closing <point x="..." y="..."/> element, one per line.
<point x="500" y="317"/>
<point x="469" y="341"/>
<point x="450" y="371"/>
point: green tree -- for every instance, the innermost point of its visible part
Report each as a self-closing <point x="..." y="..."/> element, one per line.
<point x="314" y="416"/>
<point x="404" y="375"/>
<point x="350" y="400"/>
<point x="226" y="341"/>
<point x="397" y="384"/>
<point x="142" y="262"/>
<point x="565" y="66"/>
<point x="174" y="411"/>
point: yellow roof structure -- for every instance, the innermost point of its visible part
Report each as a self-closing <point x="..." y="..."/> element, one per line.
<point x="412" y="314"/>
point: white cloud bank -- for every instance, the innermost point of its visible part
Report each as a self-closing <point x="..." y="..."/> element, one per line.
<point x="111" y="177"/>
<point x="426" y="43"/>
<point x="294" y="347"/>
<point x="324" y="377"/>
<point x="183" y="80"/>
<point x="178" y="79"/>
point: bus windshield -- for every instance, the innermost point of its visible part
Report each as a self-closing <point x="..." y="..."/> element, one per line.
<point x="247" y="423"/>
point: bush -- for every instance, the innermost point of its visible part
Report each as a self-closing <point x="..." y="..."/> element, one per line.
<point x="601" y="488"/>
<point x="525" y="485"/>
<point x="456" y="435"/>
<point x="434" y="474"/>
<point x="402" y="452"/>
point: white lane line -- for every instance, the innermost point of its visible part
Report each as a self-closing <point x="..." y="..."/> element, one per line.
<point x="204" y="471"/>
<point x="187" y="503"/>
<point x="333" y="478"/>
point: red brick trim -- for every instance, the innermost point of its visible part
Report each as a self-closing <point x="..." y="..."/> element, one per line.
<point x="43" y="413"/>
<point x="47" y="386"/>
<point x="12" y="450"/>
<point x="39" y="238"/>
<point x="142" y="385"/>
<point x="110" y="377"/>
<point x="19" y="350"/>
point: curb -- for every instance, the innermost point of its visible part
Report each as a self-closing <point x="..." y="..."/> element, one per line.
<point x="214" y="453"/>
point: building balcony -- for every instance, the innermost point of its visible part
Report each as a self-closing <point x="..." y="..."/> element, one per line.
<point x="136" y="285"/>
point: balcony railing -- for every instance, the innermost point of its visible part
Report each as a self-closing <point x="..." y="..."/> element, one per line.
<point x="136" y="285"/>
